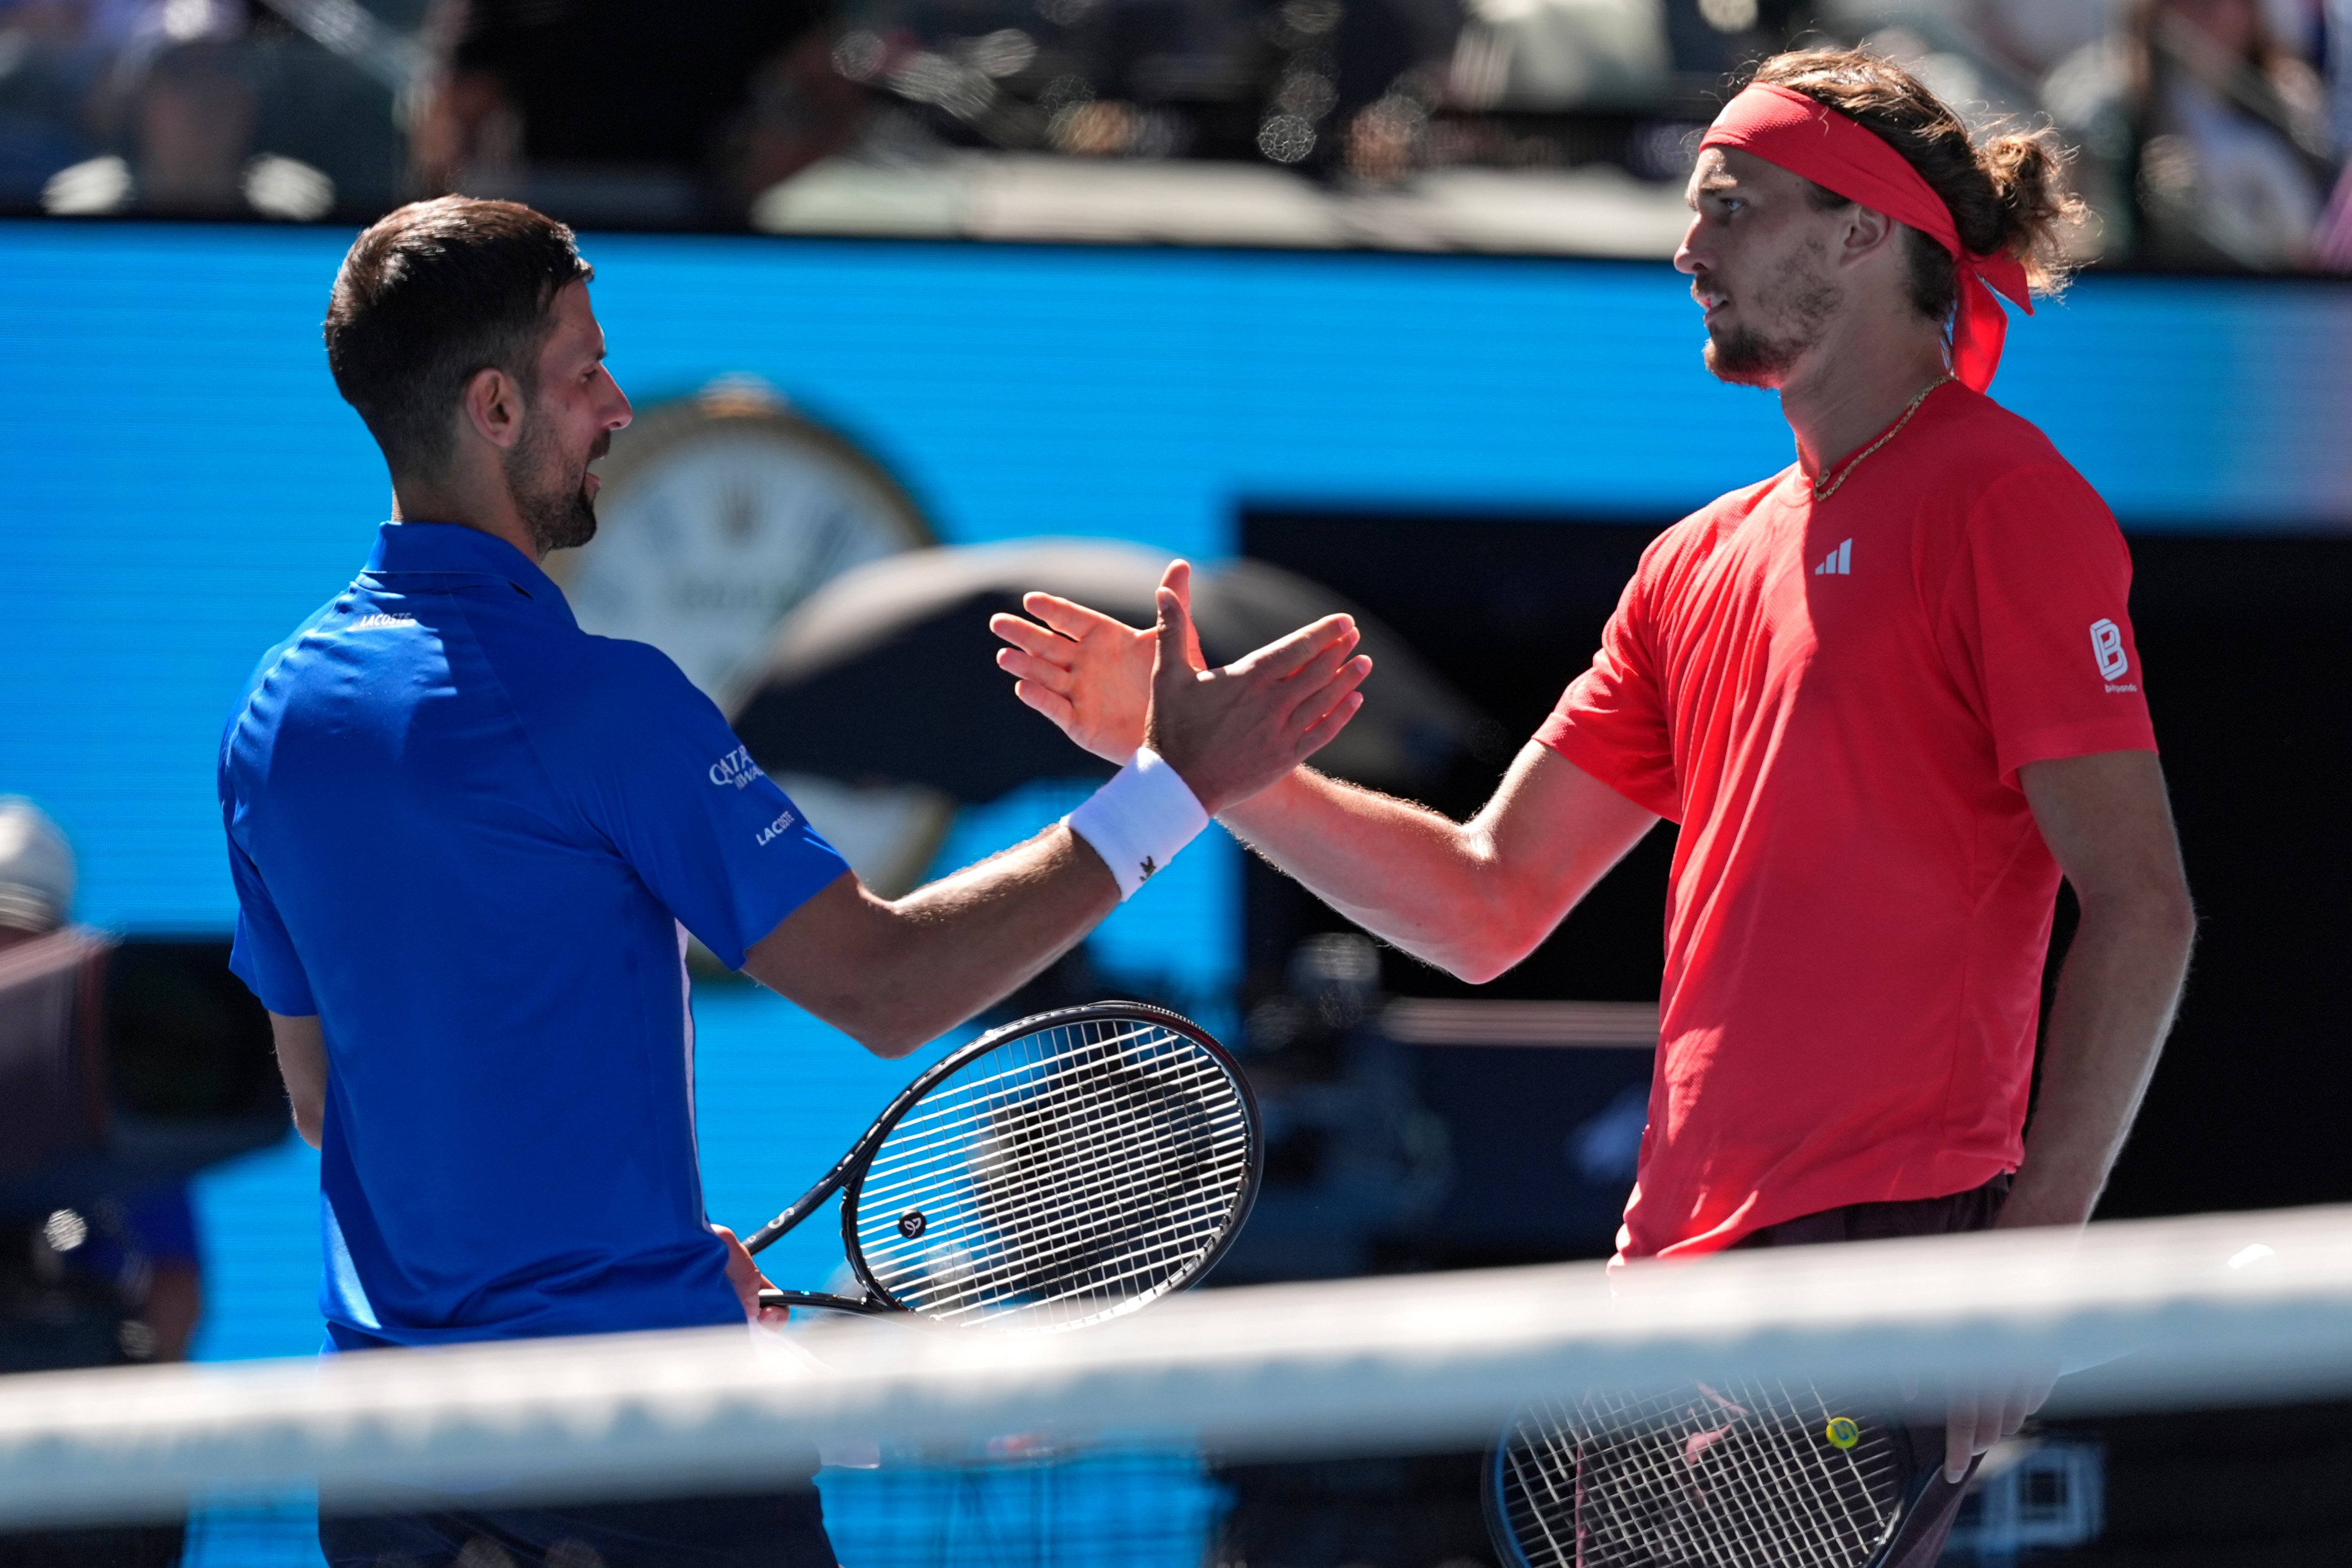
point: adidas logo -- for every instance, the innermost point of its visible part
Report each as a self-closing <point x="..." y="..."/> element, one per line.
<point x="1840" y="562"/>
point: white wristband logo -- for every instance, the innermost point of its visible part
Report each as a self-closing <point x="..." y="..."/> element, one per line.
<point x="1139" y="820"/>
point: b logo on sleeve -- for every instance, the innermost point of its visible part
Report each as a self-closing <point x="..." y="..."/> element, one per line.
<point x="2107" y="647"/>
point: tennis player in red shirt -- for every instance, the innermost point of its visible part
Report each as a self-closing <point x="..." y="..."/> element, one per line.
<point x="1890" y="694"/>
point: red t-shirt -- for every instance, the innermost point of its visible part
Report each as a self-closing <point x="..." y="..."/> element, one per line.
<point x="1834" y="699"/>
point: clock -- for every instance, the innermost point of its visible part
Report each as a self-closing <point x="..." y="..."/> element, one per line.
<point x="719" y="514"/>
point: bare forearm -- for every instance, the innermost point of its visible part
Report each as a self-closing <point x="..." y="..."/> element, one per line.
<point x="1473" y="898"/>
<point x="1401" y="871"/>
<point x="2114" y="1008"/>
<point x="975" y="937"/>
<point x="894" y="975"/>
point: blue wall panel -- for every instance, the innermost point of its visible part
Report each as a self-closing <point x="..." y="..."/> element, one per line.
<point x="179" y="484"/>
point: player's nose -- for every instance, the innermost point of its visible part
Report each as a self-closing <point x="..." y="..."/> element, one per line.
<point x="1688" y="257"/>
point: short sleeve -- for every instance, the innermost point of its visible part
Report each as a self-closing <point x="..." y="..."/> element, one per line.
<point x="263" y="954"/>
<point x="678" y="794"/>
<point x="2036" y="628"/>
<point x="1612" y="720"/>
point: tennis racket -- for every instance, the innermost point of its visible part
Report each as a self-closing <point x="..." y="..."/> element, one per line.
<point x="1736" y="1474"/>
<point x="1057" y="1172"/>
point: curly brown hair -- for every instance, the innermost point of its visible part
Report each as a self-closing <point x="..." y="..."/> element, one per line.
<point x="2009" y="195"/>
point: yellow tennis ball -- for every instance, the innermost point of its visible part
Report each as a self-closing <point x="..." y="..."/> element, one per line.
<point x="1841" y="1432"/>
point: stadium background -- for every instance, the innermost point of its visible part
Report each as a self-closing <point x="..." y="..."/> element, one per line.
<point x="180" y="485"/>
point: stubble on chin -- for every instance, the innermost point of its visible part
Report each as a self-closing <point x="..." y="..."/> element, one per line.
<point x="1746" y="357"/>
<point x="551" y="498"/>
<point x="1801" y="295"/>
<point x="567" y="521"/>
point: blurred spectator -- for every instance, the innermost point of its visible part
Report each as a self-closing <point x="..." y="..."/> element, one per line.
<point x="194" y="121"/>
<point x="201" y="108"/>
<point x="135" y="1254"/>
<point x="2234" y="161"/>
<point x="595" y="108"/>
<point x="106" y="1281"/>
<point x="50" y="63"/>
<point x="2334" y="243"/>
<point x="2336" y="36"/>
<point x="36" y="872"/>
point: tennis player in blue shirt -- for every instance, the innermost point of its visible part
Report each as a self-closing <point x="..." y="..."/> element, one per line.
<point x="470" y="842"/>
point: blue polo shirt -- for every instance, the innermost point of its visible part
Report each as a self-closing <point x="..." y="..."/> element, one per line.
<point x="472" y="839"/>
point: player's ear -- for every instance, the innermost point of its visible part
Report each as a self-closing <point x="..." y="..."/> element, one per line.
<point x="1865" y="233"/>
<point x="492" y="407"/>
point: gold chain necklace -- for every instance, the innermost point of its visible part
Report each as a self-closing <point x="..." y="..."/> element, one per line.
<point x="1826" y="485"/>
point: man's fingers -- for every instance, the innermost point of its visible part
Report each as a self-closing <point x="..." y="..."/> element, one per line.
<point x="1052" y="704"/>
<point x="1028" y="635"/>
<point x="1285" y="656"/>
<point x="1072" y="620"/>
<point x="1959" y="1435"/>
<point x="1327" y="675"/>
<point x="2013" y="1412"/>
<point x="1029" y="667"/>
<point x="1317" y="698"/>
<point x="1318" y="734"/>
<point x="2026" y="1397"/>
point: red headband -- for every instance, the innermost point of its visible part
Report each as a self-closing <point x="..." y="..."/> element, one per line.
<point x="1837" y="153"/>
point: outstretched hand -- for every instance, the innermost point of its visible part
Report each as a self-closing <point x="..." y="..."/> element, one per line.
<point x="1089" y="674"/>
<point x="1231" y="733"/>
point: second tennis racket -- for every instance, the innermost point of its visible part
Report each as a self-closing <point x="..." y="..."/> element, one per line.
<point x="1057" y="1172"/>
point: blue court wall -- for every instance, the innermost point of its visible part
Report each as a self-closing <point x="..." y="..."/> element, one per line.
<point x="179" y="484"/>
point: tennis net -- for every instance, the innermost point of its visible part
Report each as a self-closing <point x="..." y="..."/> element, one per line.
<point x="1142" y="1425"/>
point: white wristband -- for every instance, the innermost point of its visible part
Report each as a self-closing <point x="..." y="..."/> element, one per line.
<point x="1139" y="820"/>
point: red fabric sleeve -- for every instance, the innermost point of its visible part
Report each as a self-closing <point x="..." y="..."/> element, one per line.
<point x="2035" y="627"/>
<point x="1611" y="720"/>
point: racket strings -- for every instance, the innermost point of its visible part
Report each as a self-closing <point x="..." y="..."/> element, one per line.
<point x="1738" y="1479"/>
<point x="1091" y="1144"/>
<point x="1141" y="1167"/>
<point x="1063" y="1237"/>
<point x="1083" y="1170"/>
<point x="951" y="1103"/>
<point x="945" y="1131"/>
<point x="1174" y="1240"/>
<point x="946" y="1153"/>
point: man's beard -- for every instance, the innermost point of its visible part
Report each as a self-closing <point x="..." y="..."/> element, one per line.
<point x="1748" y="355"/>
<point x="554" y="503"/>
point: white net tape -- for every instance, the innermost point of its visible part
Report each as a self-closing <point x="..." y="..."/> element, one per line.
<point x="2233" y="1308"/>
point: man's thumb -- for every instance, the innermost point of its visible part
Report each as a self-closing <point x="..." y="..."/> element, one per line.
<point x="1174" y="633"/>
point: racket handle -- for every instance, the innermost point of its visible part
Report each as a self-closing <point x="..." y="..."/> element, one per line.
<point x="829" y="1303"/>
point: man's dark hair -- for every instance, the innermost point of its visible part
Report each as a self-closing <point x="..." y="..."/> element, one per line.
<point x="432" y="294"/>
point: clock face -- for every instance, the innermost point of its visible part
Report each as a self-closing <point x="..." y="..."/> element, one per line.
<point x="716" y="516"/>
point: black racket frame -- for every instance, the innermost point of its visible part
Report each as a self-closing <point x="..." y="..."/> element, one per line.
<point x="848" y="1174"/>
<point x="1917" y="1471"/>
